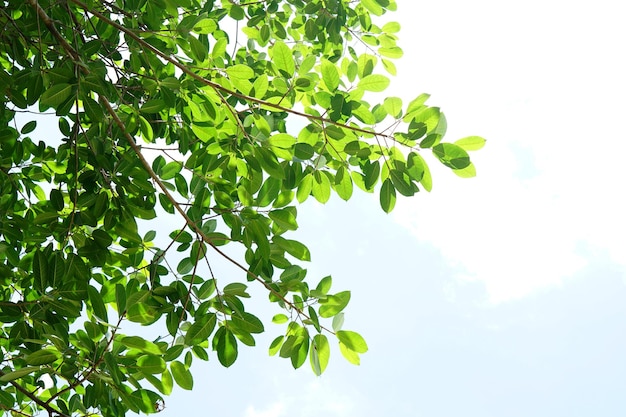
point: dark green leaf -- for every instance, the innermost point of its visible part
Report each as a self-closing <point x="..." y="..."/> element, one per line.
<point x="387" y="196"/>
<point x="226" y="347"/>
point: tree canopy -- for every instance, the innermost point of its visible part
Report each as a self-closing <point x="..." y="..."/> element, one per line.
<point x="223" y="116"/>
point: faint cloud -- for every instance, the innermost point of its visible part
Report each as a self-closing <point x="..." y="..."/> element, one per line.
<point x="277" y="409"/>
<point x="316" y="397"/>
<point x="515" y="235"/>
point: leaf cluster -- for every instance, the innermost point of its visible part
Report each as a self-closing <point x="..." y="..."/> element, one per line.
<point x="163" y="111"/>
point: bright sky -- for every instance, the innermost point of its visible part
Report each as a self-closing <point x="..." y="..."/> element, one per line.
<point x="497" y="296"/>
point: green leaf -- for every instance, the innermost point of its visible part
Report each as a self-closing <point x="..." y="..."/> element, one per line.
<point x="204" y="26"/>
<point x="343" y="183"/>
<point x="393" y="52"/>
<point x="200" y="330"/>
<point x="305" y="187"/>
<point x="391" y="27"/>
<point x="324" y="285"/>
<point x="181" y="375"/>
<point x="153" y="106"/>
<point x="42" y="357"/>
<point x="56" y="95"/>
<point x="320" y="187"/>
<point x="97" y="304"/>
<point x="387" y="196"/>
<point x="294" y="248"/>
<point x="198" y="49"/>
<point x="151" y="364"/>
<point x="284" y="218"/>
<point x="276" y="345"/>
<point x="330" y="75"/>
<point x="280" y="319"/>
<point x="393" y="105"/>
<point x="240" y="71"/>
<point x="401" y="182"/>
<point x="320" y="353"/>
<point x="350" y="355"/>
<point x="282" y="57"/>
<point x="13" y="375"/>
<point x="352" y="340"/>
<point x="282" y="140"/>
<point x="29" y="127"/>
<point x="299" y="352"/>
<point x="167" y="382"/>
<point x="141" y="344"/>
<point x="333" y="304"/>
<point x="373" y="7"/>
<point x="93" y="109"/>
<point x="374" y="82"/>
<point x="467" y="172"/>
<point x="226" y="347"/>
<point x="451" y="155"/>
<point x="471" y="143"/>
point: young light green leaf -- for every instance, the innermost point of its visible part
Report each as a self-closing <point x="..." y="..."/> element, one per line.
<point x="276" y="345"/>
<point x="333" y="304"/>
<point x="343" y="183"/>
<point x="350" y="355"/>
<point x="391" y="27"/>
<point x="393" y="52"/>
<point x="282" y="140"/>
<point x="393" y="105"/>
<point x="305" y="187"/>
<point x="282" y="57"/>
<point x="324" y="285"/>
<point x="374" y="82"/>
<point x="240" y="71"/>
<point x="320" y="187"/>
<point x="373" y="7"/>
<point x="280" y="318"/>
<point x="320" y="354"/>
<point x="330" y="75"/>
<point x="471" y="143"/>
<point x="352" y="340"/>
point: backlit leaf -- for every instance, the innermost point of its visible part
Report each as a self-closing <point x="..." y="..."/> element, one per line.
<point x="282" y="57"/>
<point x="471" y="143"/>
<point x="374" y="82"/>
<point x="387" y="196"/>
<point x="181" y="375"/>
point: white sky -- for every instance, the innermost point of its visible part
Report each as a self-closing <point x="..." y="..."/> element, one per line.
<point x="544" y="83"/>
<point x="501" y="295"/>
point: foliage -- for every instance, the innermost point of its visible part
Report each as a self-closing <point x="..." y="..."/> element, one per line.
<point x="225" y="114"/>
